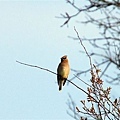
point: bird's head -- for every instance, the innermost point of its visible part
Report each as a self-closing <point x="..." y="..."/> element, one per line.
<point x="64" y="58"/>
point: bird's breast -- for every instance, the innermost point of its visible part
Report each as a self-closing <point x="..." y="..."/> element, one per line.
<point x="64" y="72"/>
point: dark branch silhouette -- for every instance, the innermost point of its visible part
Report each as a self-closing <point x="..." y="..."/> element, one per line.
<point x="84" y="48"/>
<point x="35" y="66"/>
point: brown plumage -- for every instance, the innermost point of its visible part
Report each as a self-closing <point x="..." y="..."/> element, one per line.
<point x="63" y="71"/>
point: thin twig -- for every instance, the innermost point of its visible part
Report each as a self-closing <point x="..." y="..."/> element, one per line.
<point x="36" y="67"/>
<point x="84" y="47"/>
<point x="53" y="73"/>
<point x="105" y="69"/>
<point x="82" y="80"/>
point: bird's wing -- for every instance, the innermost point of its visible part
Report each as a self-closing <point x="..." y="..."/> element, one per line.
<point x="58" y="73"/>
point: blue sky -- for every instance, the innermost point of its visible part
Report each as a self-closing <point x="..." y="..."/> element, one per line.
<point x="30" y="33"/>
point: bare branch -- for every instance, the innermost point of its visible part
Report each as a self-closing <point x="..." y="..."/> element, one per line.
<point x="53" y="73"/>
<point x="36" y="67"/>
<point x="83" y="47"/>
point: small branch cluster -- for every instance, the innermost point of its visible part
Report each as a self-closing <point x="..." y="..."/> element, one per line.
<point x="101" y="107"/>
<point x="98" y="104"/>
<point x="92" y="6"/>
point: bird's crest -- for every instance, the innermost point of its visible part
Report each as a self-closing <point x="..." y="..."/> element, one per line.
<point x="64" y="57"/>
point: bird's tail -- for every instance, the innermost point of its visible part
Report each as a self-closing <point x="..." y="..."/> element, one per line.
<point x="60" y="85"/>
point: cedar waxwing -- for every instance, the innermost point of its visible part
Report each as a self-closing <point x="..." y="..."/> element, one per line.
<point x="62" y="72"/>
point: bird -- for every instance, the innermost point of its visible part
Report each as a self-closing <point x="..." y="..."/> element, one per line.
<point x="63" y="71"/>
